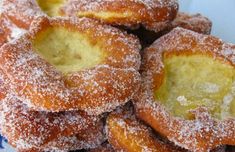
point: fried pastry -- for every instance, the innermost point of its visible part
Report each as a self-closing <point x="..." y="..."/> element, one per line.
<point x="187" y="92"/>
<point x="26" y="129"/>
<point x="152" y="14"/>
<point x="21" y="12"/>
<point x="79" y="64"/>
<point x="8" y="30"/>
<point x="5" y="31"/>
<point x="40" y="131"/>
<point x="91" y="137"/>
<point x="126" y="133"/>
<point x="194" y="22"/>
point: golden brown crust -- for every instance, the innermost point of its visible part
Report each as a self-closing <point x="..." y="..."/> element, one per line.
<point x="152" y="14"/>
<point x="203" y="133"/>
<point x="8" y="30"/>
<point x="44" y="88"/>
<point x="88" y="138"/>
<point x="4" y="30"/>
<point x="194" y="22"/>
<point x="33" y="131"/>
<point x="26" y="129"/>
<point x="21" y="12"/>
<point x="126" y="133"/>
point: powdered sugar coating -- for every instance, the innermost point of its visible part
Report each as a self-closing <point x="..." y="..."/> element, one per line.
<point x="153" y="14"/>
<point x="26" y="129"/>
<point x="204" y="132"/>
<point x="126" y="133"/>
<point x="194" y="22"/>
<point x="21" y="12"/>
<point x="8" y="30"/>
<point x="182" y="40"/>
<point x="91" y="137"/>
<point x="96" y="90"/>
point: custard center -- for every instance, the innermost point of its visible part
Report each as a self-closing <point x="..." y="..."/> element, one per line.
<point x="197" y="81"/>
<point x="67" y="50"/>
<point x="51" y="7"/>
<point x="106" y="15"/>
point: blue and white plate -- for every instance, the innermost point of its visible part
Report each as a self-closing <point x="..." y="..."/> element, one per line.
<point x="4" y="147"/>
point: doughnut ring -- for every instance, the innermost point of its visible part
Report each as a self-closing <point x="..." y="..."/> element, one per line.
<point x="197" y="111"/>
<point x="194" y="22"/>
<point x="126" y="133"/>
<point x="8" y="30"/>
<point x="21" y="12"/>
<point x="5" y="31"/>
<point x="152" y="14"/>
<point x="26" y="129"/>
<point x="49" y="70"/>
<point x="92" y="137"/>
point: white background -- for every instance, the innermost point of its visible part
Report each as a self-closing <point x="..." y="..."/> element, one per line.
<point x="221" y="12"/>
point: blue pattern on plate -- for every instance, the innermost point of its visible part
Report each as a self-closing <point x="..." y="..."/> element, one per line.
<point x="2" y="139"/>
<point x="4" y="146"/>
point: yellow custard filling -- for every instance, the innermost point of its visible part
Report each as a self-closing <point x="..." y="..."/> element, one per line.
<point x="197" y="81"/>
<point x="68" y="50"/>
<point x="106" y="15"/>
<point x="51" y="7"/>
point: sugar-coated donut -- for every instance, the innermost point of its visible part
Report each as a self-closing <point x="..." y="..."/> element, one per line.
<point x="21" y="12"/>
<point x="5" y="31"/>
<point x="78" y="64"/>
<point x="88" y="138"/>
<point x="194" y="22"/>
<point x="152" y="14"/>
<point x="126" y="133"/>
<point x="187" y="92"/>
<point x="39" y="131"/>
<point x="8" y="30"/>
<point x="26" y="129"/>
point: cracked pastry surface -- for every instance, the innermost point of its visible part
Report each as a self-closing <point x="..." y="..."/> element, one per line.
<point x="153" y="14"/>
<point x="33" y="64"/>
<point x="126" y="133"/>
<point x="195" y="22"/>
<point x="8" y="30"/>
<point x="27" y="129"/>
<point x="187" y="89"/>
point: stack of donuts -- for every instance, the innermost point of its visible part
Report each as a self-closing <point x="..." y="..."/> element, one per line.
<point x="113" y="75"/>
